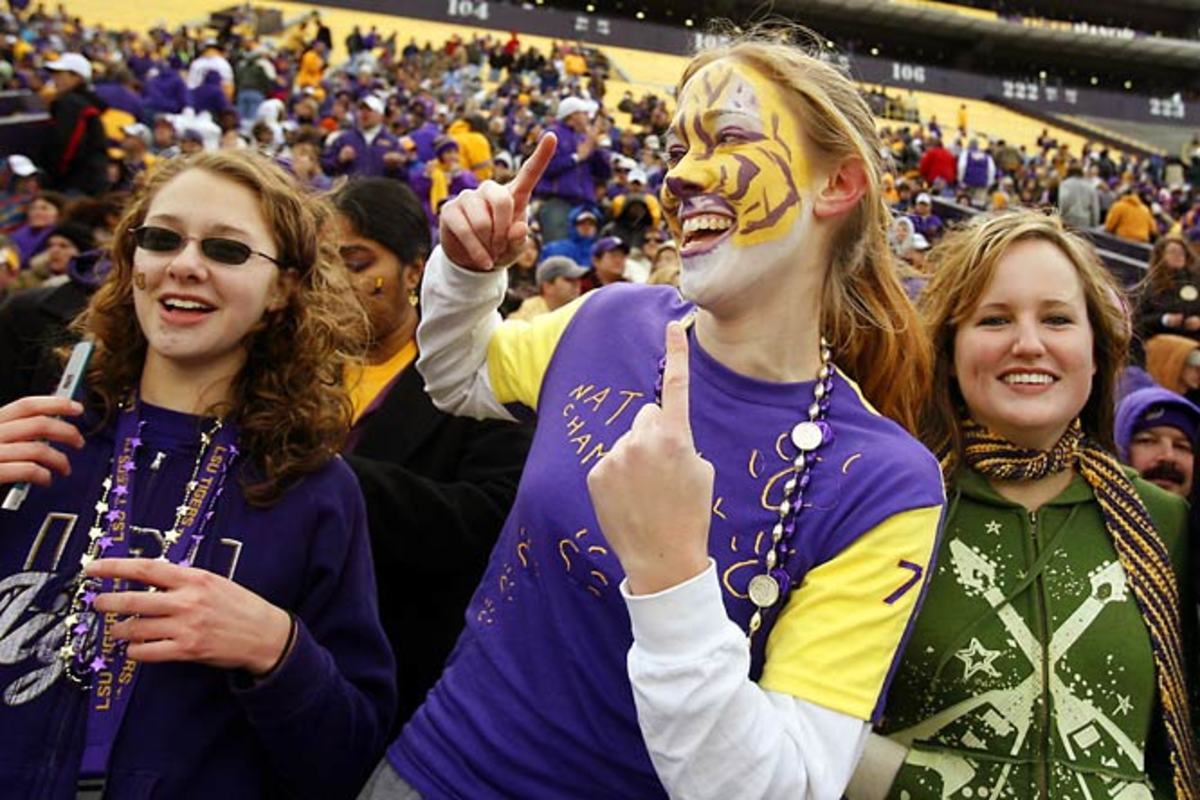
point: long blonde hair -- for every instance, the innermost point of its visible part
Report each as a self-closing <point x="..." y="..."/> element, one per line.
<point x="964" y="265"/>
<point x="868" y="318"/>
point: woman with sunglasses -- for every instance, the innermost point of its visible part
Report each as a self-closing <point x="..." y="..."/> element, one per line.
<point x="189" y="601"/>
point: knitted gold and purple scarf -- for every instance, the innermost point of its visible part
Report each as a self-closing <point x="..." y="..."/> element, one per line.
<point x="1142" y="554"/>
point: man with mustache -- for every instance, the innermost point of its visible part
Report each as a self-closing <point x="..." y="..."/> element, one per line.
<point x="1154" y="432"/>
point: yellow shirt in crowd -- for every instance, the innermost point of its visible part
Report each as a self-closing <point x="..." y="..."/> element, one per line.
<point x="366" y="382"/>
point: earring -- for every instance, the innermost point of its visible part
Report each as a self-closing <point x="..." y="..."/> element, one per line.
<point x="139" y="280"/>
<point x="378" y="286"/>
<point x="413" y="298"/>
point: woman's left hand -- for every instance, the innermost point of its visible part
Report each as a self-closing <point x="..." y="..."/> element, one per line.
<point x="195" y="615"/>
<point x="653" y="492"/>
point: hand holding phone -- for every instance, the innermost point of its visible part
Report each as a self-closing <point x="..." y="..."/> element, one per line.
<point x="29" y="425"/>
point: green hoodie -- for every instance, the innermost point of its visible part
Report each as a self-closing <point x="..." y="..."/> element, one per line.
<point x="1029" y="671"/>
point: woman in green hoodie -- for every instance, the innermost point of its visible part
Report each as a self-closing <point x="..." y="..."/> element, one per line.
<point x="1047" y="660"/>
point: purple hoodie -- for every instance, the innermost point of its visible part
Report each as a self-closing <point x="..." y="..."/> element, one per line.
<point x="313" y="729"/>
<point x="210" y="95"/>
<point x="166" y="92"/>
<point x="568" y="179"/>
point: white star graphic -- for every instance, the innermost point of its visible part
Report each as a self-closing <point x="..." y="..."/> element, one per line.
<point x="993" y="527"/>
<point x="977" y="658"/>
<point x="1123" y="705"/>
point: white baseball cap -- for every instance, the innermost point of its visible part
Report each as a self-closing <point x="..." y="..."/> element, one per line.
<point x="22" y="166"/>
<point x="72" y="62"/>
<point x="372" y="102"/>
<point x="571" y="105"/>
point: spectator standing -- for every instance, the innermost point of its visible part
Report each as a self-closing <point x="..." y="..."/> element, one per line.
<point x="976" y="172"/>
<point x="209" y="96"/>
<point x="433" y="483"/>
<point x="211" y="58"/>
<point x="166" y="91"/>
<point x="256" y="77"/>
<point x="475" y="151"/>
<point x="938" y="162"/>
<point x="1078" y="200"/>
<point x="43" y="215"/>
<point x="75" y="154"/>
<point x="579" y="162"/>
<point x="369" y="149"/>
<point x="1130" y="219"/>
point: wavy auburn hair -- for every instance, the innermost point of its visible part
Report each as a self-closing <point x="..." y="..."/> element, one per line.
<point x="866" y="315"/>
<point x="288" y="400"/>
<point x="964" y="264"/>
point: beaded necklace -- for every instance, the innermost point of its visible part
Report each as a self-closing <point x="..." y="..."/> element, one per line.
<point x="85" y="652"/>
<point x="774" y="583"/>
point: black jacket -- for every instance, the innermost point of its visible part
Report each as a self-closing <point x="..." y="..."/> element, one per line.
<point x="33" y="322"/>
<point x="438" y="489"/>
<point x="75" y="155"/>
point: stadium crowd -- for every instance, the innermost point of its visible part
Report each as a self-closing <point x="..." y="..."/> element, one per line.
<point x="400" y="173"/>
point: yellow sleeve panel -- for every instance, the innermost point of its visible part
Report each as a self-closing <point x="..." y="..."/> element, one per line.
<point x="519" y="354"/>
<point x="837" y="639"/>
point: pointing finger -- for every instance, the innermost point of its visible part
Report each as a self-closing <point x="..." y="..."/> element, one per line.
<point x="675" y="381"/>
<point x="531" y="172"/>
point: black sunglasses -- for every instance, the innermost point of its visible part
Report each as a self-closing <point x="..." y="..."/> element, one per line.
<point x="223" y="251"/>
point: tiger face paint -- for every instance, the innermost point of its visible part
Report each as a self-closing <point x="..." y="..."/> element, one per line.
<point x="738" y="178"/>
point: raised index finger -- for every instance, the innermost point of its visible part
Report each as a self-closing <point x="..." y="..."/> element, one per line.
<point x="531" y="172"/>
<point x="675" y="380"/>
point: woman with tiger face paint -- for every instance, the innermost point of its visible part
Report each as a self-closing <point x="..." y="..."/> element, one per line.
<point x="654" y="622"/>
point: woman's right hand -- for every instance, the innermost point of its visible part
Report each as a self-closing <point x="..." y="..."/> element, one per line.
<point x="484" y="228"/>
<point x="27" y="428"/>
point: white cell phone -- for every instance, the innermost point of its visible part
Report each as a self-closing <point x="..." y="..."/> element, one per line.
<point x="67" y="385"/>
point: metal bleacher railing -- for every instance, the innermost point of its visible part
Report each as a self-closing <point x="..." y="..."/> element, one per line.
<point x="1125" y="259"/>
<point x="23" y="119"/>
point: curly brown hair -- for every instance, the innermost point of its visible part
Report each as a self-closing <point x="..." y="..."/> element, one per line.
<point x="288" y="400"/>
<point x="964" y="264"/>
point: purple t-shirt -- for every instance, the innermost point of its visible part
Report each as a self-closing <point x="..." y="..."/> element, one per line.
<point x="535" y="701"/>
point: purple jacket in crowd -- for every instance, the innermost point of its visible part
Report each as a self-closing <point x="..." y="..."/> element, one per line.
<point x="120" y="96"/>
<point x="166" y="92"/>
<point x="571" y="180"/>
<point x="368" y="158"/>
<point x="210" y="95"/>
<point x="424" y="137"/>
<point x="314" y="728"/>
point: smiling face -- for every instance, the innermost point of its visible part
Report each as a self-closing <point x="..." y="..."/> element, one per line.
<point x="739" y="172"/>
<point x="1163" y="455"/>
<point x="195" y="312"/>
<point x="1023" y="358"/>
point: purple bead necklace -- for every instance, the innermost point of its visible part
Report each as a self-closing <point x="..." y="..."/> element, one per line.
<point x="83" y="649"/>
<point x="774" y="583"/>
